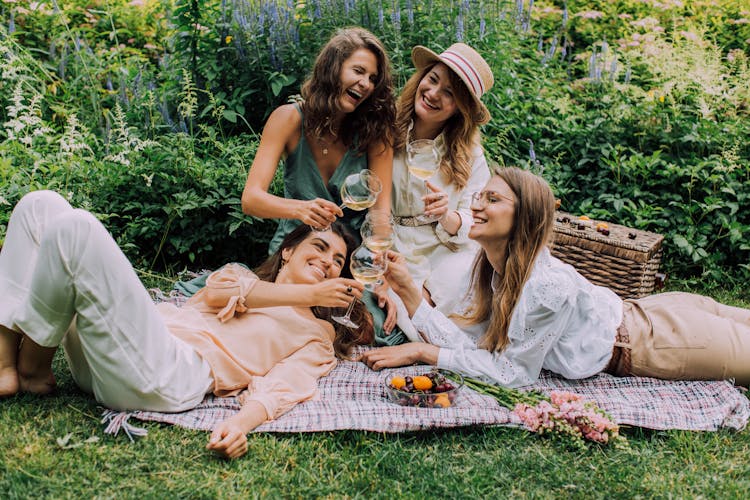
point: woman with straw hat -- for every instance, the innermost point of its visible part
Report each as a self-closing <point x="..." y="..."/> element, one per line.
<point x="440" y="102"/>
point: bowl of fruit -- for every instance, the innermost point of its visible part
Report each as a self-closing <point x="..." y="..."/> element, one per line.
<point x="434" y="389"/>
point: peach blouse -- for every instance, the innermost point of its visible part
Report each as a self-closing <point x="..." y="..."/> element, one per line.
<point x="277" y="353"/>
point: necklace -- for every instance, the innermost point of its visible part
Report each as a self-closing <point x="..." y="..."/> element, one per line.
<point x="324" y="144"/>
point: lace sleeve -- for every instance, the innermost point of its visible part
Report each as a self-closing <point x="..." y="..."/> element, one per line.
<point x="438" y="329"/>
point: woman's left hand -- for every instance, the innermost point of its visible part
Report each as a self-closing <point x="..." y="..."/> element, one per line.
<point x="435" y="202"/>
<point x="401" y="355"/>
<point x="228" y="439"/>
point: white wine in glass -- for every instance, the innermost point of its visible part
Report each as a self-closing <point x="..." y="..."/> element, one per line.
<point x="367" y="267"/>
<point x="360" y="191"/>
<point x="377" y="230"/>
<point x="422" y="158"/>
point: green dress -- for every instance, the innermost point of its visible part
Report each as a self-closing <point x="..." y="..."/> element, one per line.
<point x="302" y="181"/>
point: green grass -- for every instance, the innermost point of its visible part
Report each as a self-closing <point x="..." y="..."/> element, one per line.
<point x="463" y="463"/>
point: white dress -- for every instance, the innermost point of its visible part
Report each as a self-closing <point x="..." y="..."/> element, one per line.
<point x="561" y="323"/>
<point x="436" y="260"/>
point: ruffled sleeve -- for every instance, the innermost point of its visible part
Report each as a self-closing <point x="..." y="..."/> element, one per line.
<point x="226" y="290"/>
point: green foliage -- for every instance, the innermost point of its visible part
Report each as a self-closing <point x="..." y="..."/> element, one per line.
<point x="145" y="111"/>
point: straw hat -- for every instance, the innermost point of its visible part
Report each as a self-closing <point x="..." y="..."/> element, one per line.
<point x="462" y="60"/>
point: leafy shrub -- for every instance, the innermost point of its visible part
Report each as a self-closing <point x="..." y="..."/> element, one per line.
<point x="635" y="111"/>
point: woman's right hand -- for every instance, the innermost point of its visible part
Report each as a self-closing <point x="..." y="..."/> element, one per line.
<point x="318" y="213"/>
<point x="399" y="278"/>
<point x="336" y="292"/>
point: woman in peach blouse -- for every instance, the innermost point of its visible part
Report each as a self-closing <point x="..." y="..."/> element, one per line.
<point x="264" y="334"/>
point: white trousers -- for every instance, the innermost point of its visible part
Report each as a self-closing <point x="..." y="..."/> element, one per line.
<point x="63" y="279"/>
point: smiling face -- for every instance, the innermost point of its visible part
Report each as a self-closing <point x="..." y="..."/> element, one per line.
<point x="435" y="100"/>
<point x="493" y="209"/>
<point x="358" y="77"/>
<point x="320" y="256"/>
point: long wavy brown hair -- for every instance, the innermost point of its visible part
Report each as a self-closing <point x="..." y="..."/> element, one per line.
<point x="345" y="337"/>
<point x="461" y="130"/>
<point x="533" y="221"/>
<point x="372" y="121"/>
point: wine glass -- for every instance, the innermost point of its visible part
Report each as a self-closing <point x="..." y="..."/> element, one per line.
<point x="422" y="159"/>
<point x="360" y="191"/>
<point x="377" y="230"/>
<point x="367" y="267"/>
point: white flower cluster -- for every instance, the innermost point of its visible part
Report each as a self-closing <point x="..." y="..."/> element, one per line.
<point x="122" y="139"/>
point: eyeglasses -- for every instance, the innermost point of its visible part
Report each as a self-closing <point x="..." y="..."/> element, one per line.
<point x="483" y="198"/>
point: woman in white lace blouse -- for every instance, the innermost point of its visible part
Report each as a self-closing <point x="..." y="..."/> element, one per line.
<point x="528" y="311"/>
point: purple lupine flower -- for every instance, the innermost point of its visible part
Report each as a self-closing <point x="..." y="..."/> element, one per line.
<point x="612" y="70"/>
<point x="396" y="16"/>
<point x="519" y="14"/>
<point x="63" y="62"/>
<point x="540" y="43"/>
<point x="532" y="153"/>
<point x="409" y="12"/>
<point x="528" y="17"/>
<point x="460" y="26"/>
<point x="628" y="76"/>
<point x="137" y="83"/>
<point x="108" y="83"/>
<point x="381" y="16"/>
<point x="592" y="65"/>
<point x="123" y="94"/>
<point x="12" y="23"/>
<point x="482" y="23"/>
<point x="553" y="46"/>
<point x="317" y="14"/>
<point x="565" y="15"/>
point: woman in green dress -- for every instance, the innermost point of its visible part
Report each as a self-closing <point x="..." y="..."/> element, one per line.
<point x="343" y="125"/>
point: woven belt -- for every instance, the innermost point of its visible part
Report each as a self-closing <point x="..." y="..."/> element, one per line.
<point x="619" y="364"/>
<point x="416" y="221"/>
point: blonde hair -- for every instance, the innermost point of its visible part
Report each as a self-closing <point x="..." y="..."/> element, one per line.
<point x="461" y="130"/>
<point x="533" y="221"/>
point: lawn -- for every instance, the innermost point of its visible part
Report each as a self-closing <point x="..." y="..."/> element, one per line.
<point x="463" y="463"/>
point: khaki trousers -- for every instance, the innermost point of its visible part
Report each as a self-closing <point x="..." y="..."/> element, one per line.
<point x="63" y="279"/>
<point x="683" y="336"/>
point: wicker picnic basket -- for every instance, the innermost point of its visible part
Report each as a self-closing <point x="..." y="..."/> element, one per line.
<point x="626" y="260"/>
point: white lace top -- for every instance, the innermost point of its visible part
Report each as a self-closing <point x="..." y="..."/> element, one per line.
<point x="561" y="323"/>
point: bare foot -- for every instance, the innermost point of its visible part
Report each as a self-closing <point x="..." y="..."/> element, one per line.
<point x="8" y="354"/>
<point x="8" y="381"/>
<point x="42" y="384"/>
<point x="35" y="367"/>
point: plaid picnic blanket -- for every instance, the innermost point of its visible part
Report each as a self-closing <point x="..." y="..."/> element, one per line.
<point x="354" y="397"/>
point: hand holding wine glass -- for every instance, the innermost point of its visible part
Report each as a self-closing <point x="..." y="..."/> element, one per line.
<point x="422" y="159"/>
<point x="367" y="267"/>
